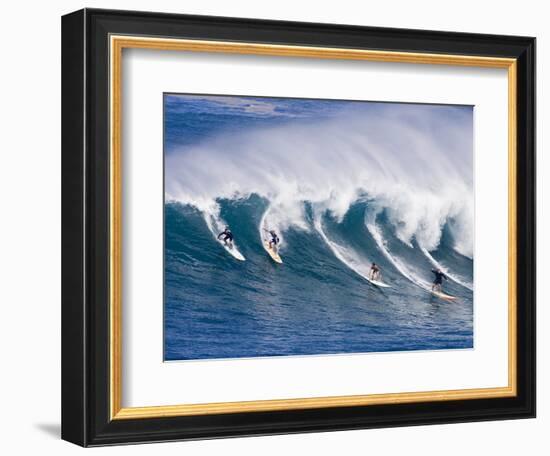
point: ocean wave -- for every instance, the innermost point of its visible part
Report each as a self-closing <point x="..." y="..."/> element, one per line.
<point x="399" y="166"/>
<point x="356" y="241"/>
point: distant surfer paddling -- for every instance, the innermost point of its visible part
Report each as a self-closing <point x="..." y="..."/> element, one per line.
<point x="374" y="273"/>
<point x="274" y="241"/>
<point x="438" y="280"/>
<point x="226" y="236"/>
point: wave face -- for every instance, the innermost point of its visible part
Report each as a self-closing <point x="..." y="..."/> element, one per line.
<point x="370" y="184"/>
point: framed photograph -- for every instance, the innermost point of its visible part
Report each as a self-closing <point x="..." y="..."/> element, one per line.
<point x="278" y="227"/>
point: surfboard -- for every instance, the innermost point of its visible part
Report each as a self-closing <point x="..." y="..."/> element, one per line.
<point x="378" y="283"/>
<point x="272" y="253"/>
<point x="230" y="247"/>
<point x="443" y="296"/>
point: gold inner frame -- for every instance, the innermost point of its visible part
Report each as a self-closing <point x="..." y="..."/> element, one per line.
<point x="117" y="44"/>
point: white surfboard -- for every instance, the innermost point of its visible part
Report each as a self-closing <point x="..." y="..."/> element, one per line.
<point x="378" y="283"/>
<point x="230" y="247"/>
<point x="272" y="253"/>
<point x="442" y="295"/>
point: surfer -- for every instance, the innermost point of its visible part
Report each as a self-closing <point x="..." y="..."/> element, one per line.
<point x="374" y="272"/>
<point x="439" y="276"/>
<point x="227" y="236"/>
<point x="274" y="241"/>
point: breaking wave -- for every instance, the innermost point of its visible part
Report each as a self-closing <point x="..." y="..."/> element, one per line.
<point x="392" y="164"/>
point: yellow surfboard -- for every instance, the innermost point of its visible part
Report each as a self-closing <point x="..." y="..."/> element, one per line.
<point x="272" y="253"/>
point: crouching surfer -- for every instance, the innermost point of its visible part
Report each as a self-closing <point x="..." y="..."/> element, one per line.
<point x="438" y="280"/>
<point x="226" y="236"/>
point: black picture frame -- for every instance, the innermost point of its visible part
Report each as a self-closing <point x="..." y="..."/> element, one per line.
<point x="85" y="228"/>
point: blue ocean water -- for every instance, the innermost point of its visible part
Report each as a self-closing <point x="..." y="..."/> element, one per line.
<point x="318" y="301"/>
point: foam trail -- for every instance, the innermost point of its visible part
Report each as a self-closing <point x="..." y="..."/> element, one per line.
<point x="215" y="225"/>
<point x="346" y="256"/>
<point x="399" y="265"/>
<point x="438" y="265"/>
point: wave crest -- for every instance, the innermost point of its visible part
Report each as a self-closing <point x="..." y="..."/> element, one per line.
<point x="417" y="168"/>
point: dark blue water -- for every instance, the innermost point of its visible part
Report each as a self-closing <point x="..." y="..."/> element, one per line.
<point x="218" y="307"/>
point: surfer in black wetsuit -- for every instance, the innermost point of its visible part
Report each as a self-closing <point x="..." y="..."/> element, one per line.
<point x="227" y="236"/>
<point x="439" y="276"/>
<point x="374" y="272"/>
<point x="274" y="241"/>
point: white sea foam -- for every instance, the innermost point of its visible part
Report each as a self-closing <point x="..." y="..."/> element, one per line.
<point x="417" y="165"/>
